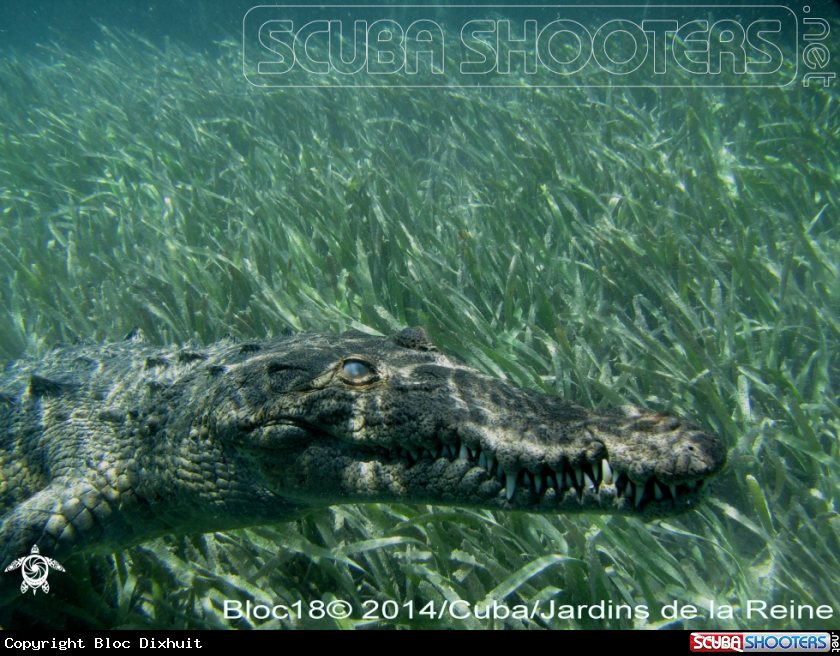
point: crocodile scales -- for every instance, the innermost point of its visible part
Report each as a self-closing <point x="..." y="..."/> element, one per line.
<point x="106" y="446"/>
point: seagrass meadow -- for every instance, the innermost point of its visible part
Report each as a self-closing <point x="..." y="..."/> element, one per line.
<point x="677" y="249"/>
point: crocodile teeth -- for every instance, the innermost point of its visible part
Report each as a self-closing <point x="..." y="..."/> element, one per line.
<point x="414" y="454"/>
<point x="446" y="451"/>
<point x="464" y="454"/>
<point x="549" y="481"/>
<point x="490" y="462"/>
<point x="403" y="453"/>
<point x="510" y="486"/>
<point x="527" y="478"/>
<point x="588" y="481"/>
<point x="657" y="491"/>
<point x="538" y="482"/>
<point x="628" y="491"/>
<point x="578" y="477"/>
<point x="640" y="492"/>
<point x="482" y="460"/>
<point x="673" y="489"/>
<point x="473" y="452"/>
<point x="606" y="472"/>
<point x="569" y="480"/>
<point x="427" y="453"/>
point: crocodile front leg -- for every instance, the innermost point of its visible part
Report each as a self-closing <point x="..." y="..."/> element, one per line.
<point x="75" y="515"/>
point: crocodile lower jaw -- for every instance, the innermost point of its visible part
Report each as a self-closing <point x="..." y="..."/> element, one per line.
<point x="471" y="477"/>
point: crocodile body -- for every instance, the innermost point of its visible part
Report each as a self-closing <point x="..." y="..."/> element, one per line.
<point x="105" y="446"/>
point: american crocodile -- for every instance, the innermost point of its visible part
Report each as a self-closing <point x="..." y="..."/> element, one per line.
<point x="105" y="446"/>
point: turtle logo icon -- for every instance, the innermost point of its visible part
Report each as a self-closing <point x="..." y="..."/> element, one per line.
<point x="35" y="569"/>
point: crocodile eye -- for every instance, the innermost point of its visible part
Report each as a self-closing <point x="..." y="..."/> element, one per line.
<point x="355" y="370"/>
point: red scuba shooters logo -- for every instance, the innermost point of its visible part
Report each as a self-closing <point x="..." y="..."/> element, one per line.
<point x="717" y="642"/>
<point x="763" y="641"/>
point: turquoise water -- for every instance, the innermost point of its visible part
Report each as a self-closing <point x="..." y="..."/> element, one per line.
<point x="669" y="245"/>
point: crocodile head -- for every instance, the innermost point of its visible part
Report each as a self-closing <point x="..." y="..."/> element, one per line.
<point x="323" y="420"/>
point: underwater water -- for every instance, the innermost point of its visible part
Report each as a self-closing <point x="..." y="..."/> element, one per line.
<point x="609" y="239"/>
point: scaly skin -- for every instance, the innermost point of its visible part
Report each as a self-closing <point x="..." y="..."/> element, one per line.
<point x="106" y="446"/>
